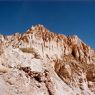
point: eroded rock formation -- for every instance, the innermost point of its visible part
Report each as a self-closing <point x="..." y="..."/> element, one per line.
<point x="40" y="62"/>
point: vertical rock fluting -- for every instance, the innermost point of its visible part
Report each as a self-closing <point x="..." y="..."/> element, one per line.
<point x="46" y="61"/>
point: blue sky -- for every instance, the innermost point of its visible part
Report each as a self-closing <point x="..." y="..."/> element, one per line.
<point x="65" y="17"/>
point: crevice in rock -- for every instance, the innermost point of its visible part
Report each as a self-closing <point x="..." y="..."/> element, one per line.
<point x="40" y="77"/>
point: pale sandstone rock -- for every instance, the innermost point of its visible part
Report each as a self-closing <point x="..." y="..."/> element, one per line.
<point x="40" y="62"/>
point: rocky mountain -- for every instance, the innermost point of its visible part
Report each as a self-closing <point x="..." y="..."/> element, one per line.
<point x="40" y="62"/>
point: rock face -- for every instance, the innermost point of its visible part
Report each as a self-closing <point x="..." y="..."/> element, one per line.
<point x="40" y="62"/>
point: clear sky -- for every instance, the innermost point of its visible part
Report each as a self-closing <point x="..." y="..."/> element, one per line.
<point x="65" y="17"/>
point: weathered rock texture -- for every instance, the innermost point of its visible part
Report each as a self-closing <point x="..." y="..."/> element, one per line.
<point x="40" y="62"/>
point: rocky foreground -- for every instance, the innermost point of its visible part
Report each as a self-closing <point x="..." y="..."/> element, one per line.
<point x="40" y="62"/>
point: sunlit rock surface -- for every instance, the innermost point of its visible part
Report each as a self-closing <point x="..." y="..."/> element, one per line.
<point x="40" y="62"/>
